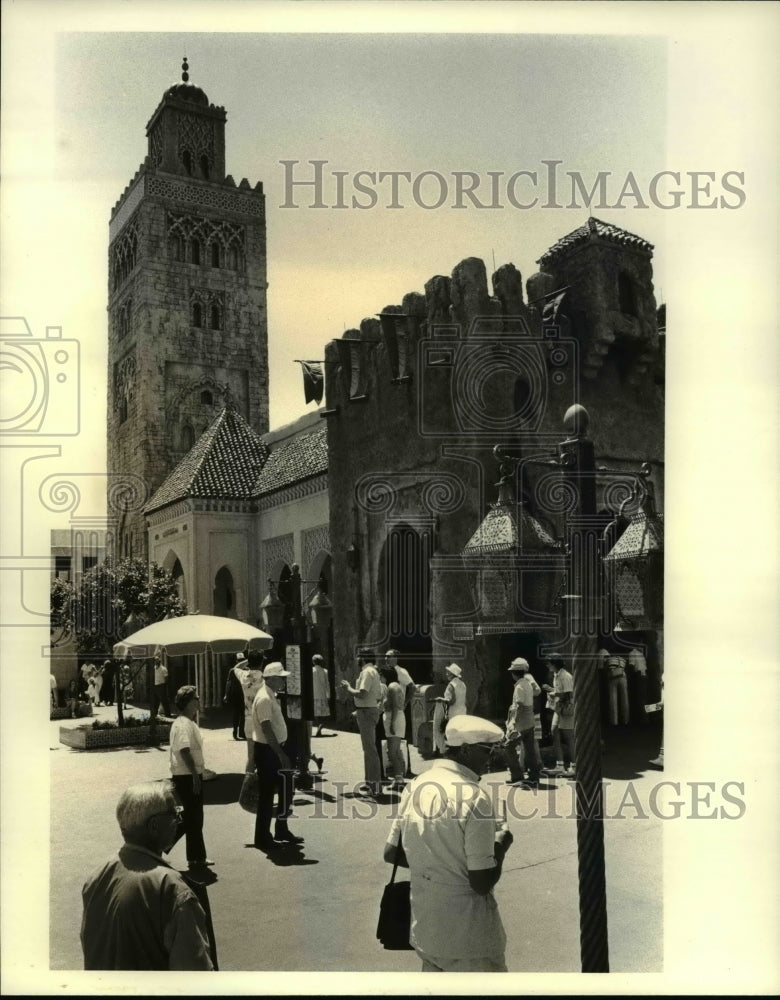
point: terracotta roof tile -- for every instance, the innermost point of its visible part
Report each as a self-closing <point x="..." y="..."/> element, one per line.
<point x="594" y="229"/>
<point x="223" y="462"/>
<point x="290" y="461"/>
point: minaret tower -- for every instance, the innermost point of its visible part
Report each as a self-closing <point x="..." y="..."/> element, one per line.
<point x="187" y="315"/>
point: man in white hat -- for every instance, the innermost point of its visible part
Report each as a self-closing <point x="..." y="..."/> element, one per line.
<point x="274" y="767"/>
<point x="448" y="836"/>
<point x="520" y="725"/>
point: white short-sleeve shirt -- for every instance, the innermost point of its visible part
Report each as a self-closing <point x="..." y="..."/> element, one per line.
<point x="266" y="708"/>
<point x="447" y="827"/>
<point x="185" y="734"/>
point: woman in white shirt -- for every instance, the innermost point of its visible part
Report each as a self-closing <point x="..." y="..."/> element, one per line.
<point x="394" y="722"/>
<point x="187" y="768"/>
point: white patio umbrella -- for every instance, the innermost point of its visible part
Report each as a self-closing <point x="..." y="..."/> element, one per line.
<point x="193" y="634"/>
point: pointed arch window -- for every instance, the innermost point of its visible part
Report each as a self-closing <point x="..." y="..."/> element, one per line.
<point x="207" y="398"/>
<point x="195" y="251"/>
<point x="626" y="294"/>
<point x="177" y="247"/>
<point x="215" y="254"/>
<point x="197" y="314"/>
<point x="216" y="317"/>
<point x="205" y="167"/>
<point x="186" y="159"/>
<point x="187" y="437"/>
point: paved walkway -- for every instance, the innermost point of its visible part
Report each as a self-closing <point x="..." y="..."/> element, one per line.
<point x="320" y="913"/>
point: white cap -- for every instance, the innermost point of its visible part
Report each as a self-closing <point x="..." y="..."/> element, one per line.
<point x="470" y="729"/>
<point x="519" y="664"/>
<point x="275" y="669"/>
<point x="240" y="657"/>
<point x="454" y="669"/>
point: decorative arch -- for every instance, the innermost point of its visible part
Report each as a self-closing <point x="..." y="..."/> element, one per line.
<point x="224" y="594"/>
<point x="172" y="564"/>
<point x="403" y="586"/>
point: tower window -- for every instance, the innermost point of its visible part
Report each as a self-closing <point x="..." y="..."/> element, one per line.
<point x="177" y="247"/>
<point x="186" y="159"/>
<point x="232" y="259"/>
<point x="187" y="437"/>
<point x="216" y="318"/>
<point x="197" y="314"/>
<point x="207" y="398"/>
<point x="204" y="167"/>
<point x="626" y="294"/>
<point x="123" y="409"/>
<point x="215" y="254"/>
<point x="195" y="251"/>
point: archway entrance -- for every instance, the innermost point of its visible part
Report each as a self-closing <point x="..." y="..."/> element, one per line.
<point x="224" y="594"/>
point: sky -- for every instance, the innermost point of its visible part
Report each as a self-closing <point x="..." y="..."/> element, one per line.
<point x="414" y="103"/>
<point x="443" y="87"/>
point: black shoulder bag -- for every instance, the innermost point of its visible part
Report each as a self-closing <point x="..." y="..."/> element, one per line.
<point x="395" y="914"/>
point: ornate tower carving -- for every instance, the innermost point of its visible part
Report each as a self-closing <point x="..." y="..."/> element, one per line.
<point x="187" y="317"/>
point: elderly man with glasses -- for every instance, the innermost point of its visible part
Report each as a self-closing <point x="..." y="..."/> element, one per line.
<point x="138" y="911"/>
<point x="449" y="837"/>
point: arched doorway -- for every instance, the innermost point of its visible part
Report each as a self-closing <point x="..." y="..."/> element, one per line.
<point x="404" y="589"/>
<point x="177" y="572"/>
<point x="224" y="594"/>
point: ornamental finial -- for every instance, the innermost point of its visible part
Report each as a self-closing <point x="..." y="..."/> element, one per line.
<point x="184" y="67"/>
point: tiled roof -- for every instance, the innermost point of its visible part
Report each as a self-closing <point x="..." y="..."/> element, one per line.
<point x="509" y="528"/>
<point x="224" y="462"/>
<point x="297" y="458"/>
<point x="594" y="229"/>
<point x="643" y="535"/>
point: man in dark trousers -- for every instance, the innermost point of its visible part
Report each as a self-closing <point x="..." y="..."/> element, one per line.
<point x="274" y="767"/>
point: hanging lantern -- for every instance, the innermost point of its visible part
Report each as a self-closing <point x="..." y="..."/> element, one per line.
<point x="272" y="609"/>
<point x="511" y="553"/>
<point x="636" y="571"/>
<point x="321" y="609"/>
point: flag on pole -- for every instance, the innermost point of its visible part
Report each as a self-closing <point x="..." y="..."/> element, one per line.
<point x="551" y="308"/>
<point x="313" y="380"/>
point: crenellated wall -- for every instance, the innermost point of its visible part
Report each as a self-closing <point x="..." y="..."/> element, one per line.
<point x="415" y="403"/>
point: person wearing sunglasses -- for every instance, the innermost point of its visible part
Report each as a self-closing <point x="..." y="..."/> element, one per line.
<point x="138" y="911"/>
<point x="450" y="838"/>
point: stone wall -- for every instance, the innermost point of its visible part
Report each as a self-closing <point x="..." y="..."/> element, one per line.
<point x="171" y="368"/>
<point x="483" y="369"/>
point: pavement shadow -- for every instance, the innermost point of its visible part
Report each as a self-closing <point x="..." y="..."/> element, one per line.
<point x="287" y="856"/>
<point x="224" y="789"/>
<point x="94" y="751"/>
<point x="628" y="752"/>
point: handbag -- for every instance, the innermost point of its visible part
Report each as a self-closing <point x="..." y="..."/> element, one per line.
<point x="247" y="797"/>
<point x="395" y="915"/>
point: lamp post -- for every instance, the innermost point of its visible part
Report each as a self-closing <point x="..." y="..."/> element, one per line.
<point x="583" y="536"/>
<point x="278" y="616"/>
<point x="511" y="544"/>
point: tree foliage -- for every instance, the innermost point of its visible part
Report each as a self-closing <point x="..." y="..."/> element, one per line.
<point x="95" y="611"/>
